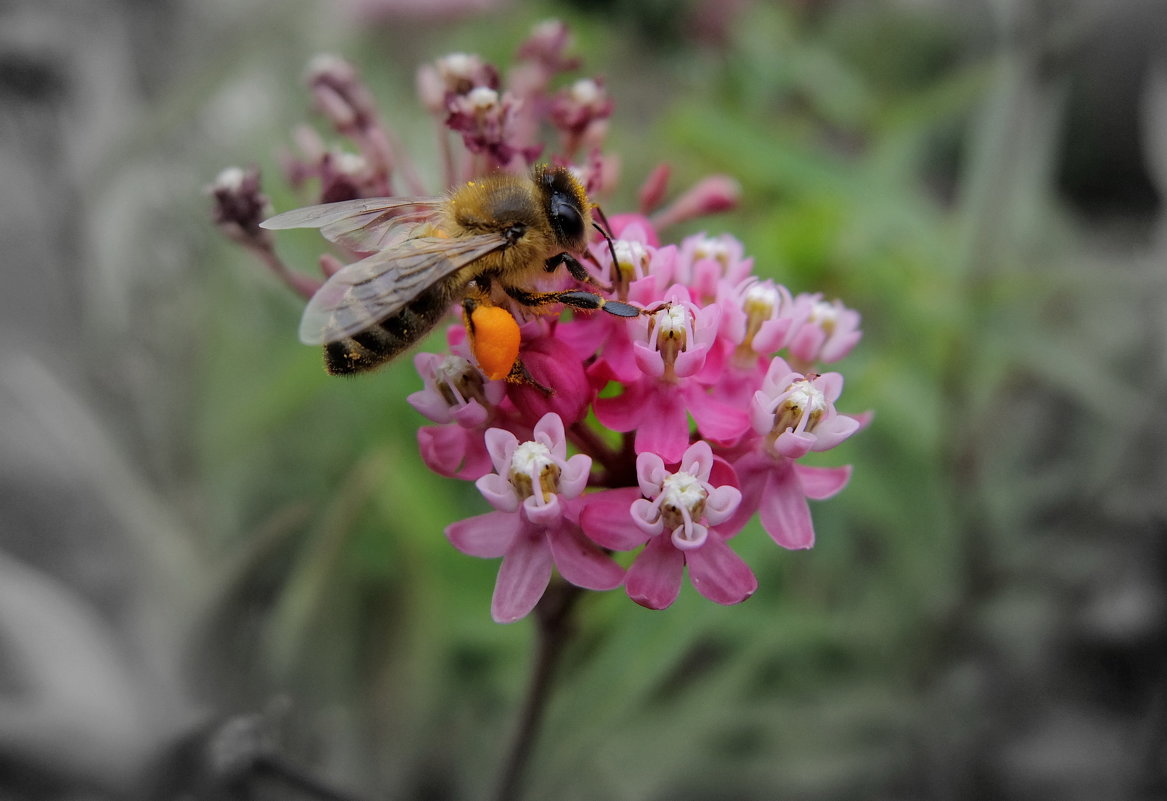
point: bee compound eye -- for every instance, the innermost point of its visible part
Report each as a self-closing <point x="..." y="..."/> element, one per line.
<point x="567" y="219"/>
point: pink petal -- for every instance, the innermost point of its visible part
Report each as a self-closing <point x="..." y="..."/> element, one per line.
<point x="771" y="335"/>
<point x="793" y="444"/>
<point x="831" y="385"/>
<point x="581" y="562"/>
<point x="690" y="536"/>
<point x="498" y="491"/>
<point x="430" y="405"/>
<point x="863" y="418"/>
<point x="779" y="376"/>
<point x="607" y="520"/>
<point x="783" y="511"/>
<point x="650" y="472"/>
<point x="720" y="574"/>
<point x="665" y="428"/>
<point x="472" y="415"/>
<point x="619" y="356"/>
<point x="549" y="431"/>
<point x="522" y="579"/>
<point x="830" y="432"/>
<point x="753" y="471"/>
<point x="583" y="334"/>
<point x="761" y="413"/>
<point x="716" y="420"/>
<point x="573" y="477"/>
<point x="806" y="342"/>
<point x="645" y="516"/>
<point x="721" y="503"/>
<point x="821" y="483"/>
<point x="722" y="473"/>
<point x="624" y="412"/>
<point x="487" y="536"/>
<point x="501" y="444"/>
<point x="698" y="460"/>
<point x="442" y="448"/>
<point x="648" y="360"/>
<point x="543" y="513"/>
<point x="453" y="451"/>
<point x="839" y="346"/>
<point x="690" y="361"/>
<point x="654" y="580"/>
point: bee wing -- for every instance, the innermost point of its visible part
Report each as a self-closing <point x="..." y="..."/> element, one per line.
<point x="365" y="224"/>
<point x="362" y="294"/>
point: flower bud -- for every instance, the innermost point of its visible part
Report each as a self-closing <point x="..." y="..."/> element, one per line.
<point x="554" y="365"/>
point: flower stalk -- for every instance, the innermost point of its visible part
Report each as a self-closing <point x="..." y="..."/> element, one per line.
<point x="554" y="625"/>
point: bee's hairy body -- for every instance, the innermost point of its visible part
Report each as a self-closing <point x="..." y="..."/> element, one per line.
<point x="537" y="217"/>
<point x="382" y="341"/>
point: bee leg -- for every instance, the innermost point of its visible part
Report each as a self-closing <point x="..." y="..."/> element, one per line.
<point x="494" y="338"/>
<point x="575" y="269"/>
<point x="571" y="263"/>
<point x="577" y="299"/>
<point x="520" y="375"/>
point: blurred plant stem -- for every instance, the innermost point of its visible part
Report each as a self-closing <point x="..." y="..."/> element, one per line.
<point x="554" y="619"/>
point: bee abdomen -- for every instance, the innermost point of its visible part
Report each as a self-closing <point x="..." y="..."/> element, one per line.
<point x="380" y="343"/>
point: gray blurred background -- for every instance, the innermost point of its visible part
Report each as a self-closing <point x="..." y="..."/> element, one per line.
<point x="1029" y="663"/>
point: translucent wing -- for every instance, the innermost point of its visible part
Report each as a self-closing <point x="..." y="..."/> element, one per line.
<point x="364" y="225"/>
<point x="364" y="293"/>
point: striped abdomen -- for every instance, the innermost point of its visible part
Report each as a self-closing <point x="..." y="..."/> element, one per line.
<point x="379" y="343"/>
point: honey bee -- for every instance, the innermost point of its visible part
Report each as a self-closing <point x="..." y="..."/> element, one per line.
<point x="486" y="241"/>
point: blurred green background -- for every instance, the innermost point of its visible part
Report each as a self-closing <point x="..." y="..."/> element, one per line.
<point x="200" y="525"/>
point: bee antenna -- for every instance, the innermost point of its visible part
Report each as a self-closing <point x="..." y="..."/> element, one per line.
<point x="605" y="234"/>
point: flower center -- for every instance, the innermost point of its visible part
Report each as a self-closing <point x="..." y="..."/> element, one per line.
<point x="631" y="259"/>
<point x="799" y="408"/>
<point x="458" y="382"/>
<point x="531" y="465"/>
<point x="760" y="304"/>
<point x="682" y="499"/>
<point x="712" y="249"/>
<point x="674" y="329"/>
<point x="825" y="315"/>
<point x="482" y="98"/>
<point x="586" y="92"/>
<point x="631" y="263"/>
<point x="457" y="72"/>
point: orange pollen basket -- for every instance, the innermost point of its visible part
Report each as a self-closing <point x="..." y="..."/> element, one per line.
<point x="495" y="341"/>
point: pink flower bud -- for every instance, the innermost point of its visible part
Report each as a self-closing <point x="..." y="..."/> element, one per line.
<point x="652" y="191"/>
<point x="552" y="364"/>
<point x="711" y="195"/>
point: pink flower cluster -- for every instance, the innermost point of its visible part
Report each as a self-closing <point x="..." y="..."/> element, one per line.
<point x="644" y="478"/>
<point x="664" y="433"/>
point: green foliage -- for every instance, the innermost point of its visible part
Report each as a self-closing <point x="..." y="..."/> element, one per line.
<point x="880" y="173"/>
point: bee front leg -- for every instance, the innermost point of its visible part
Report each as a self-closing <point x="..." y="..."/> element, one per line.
<point x="577" y="270"/>
<point x="577" y="299"/>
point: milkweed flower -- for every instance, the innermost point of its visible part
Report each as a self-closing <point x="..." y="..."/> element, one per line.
<point x="455" y="392"/>
<point x="533" y="527"/>
<point x="674" y="515"/>
<point x="823" y="331"/>
<point x="792" y="415"/>
<point x="648" y="441"/>
<point x="671" y="349"/>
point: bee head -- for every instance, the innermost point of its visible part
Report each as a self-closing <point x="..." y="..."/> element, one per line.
<point x="566" y="204"/>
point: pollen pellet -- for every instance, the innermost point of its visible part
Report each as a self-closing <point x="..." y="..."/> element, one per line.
<point x="495" y="336"/>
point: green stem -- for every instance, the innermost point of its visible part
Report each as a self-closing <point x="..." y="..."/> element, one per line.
<point x="553" y="616"/>
<point x="613" y="462"/>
